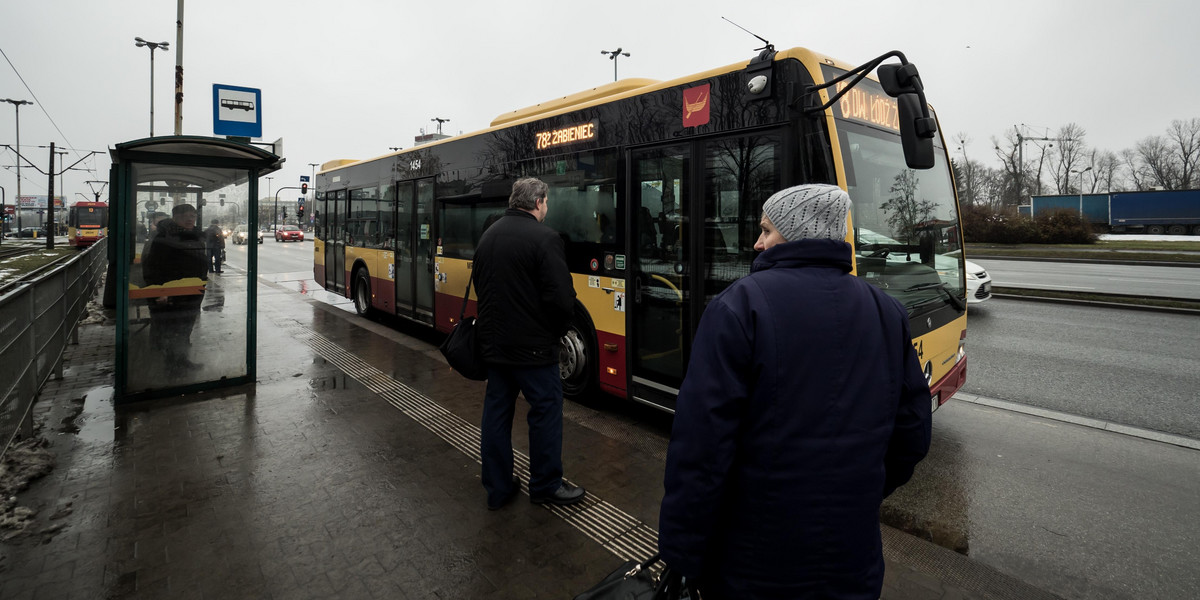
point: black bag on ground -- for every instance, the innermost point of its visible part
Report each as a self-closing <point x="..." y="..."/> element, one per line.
<point x="635" y="581"/>
<point x="460" y="348"/>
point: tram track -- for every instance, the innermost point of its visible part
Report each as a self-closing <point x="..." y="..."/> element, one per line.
<point x="31" y="275"/>
<point x="10" y="251"/>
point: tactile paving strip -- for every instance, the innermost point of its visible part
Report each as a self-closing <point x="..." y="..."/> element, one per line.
<point x="614" y="529"/>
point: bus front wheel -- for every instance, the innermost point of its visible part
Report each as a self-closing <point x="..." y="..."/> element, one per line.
<point x="577" y="358"/>
<point x="362" y="292"/>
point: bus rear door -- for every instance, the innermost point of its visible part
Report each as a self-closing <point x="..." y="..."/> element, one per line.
<point x="414" y="250"/>
<point x="335" y="244"/>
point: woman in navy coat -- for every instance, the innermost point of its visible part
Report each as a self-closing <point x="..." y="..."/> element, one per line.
<point x="804" y="405"/>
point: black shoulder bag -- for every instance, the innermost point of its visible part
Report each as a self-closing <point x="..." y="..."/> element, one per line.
<point x="636" y="581"/>
<point x="460" y="348"/>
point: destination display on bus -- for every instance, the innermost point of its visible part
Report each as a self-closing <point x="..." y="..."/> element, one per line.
<point x="865" y="102"/>
<point x="583" y="132"/>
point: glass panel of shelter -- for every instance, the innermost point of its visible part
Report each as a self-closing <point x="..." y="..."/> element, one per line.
<point x="186" y="323"/>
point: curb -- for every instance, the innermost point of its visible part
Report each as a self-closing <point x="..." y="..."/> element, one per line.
<point x="1094" y="261"/>
<point x="1137" y="432"/>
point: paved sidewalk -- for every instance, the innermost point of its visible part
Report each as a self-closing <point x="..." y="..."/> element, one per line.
<point x="348" y="471"/>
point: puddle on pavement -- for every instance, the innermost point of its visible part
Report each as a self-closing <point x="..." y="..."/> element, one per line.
<point x="97" y="421"/>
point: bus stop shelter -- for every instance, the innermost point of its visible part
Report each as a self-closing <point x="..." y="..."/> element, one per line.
<point x="181" y="326"/>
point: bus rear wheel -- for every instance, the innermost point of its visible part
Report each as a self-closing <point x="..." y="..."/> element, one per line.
<point x="362" y="292"/>
<point x="577" y="359"/>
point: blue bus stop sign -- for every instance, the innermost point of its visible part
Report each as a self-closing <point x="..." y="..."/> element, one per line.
<point x="237" y="111"/>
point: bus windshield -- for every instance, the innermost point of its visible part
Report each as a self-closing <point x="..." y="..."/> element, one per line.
<point x="906" y="234"/>
<point x="905" y="221"/>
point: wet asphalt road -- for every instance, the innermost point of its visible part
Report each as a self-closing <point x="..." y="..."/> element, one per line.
<point x="1132" y="367"/>
<point x="1170" y="282"/>
<point x="1076" y="511"/>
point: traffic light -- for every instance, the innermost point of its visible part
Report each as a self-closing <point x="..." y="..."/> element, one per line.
<point x="285" y="214"/>
<point x="300" y="213"/>
<point x="304" y="188"/>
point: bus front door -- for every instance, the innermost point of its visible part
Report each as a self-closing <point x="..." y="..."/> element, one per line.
<point x="659" y="314"/>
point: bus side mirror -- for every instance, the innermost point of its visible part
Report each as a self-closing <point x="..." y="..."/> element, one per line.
<point x="917" y="126"/>
<point x="916" y="132"/>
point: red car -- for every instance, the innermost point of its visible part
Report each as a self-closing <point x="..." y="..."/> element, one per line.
<point x="289" y="232"/>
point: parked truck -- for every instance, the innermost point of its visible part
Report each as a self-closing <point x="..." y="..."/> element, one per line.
<point x="1156" y="213"/>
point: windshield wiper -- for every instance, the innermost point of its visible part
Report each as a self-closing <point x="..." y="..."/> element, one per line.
<point x="951" y="299"/>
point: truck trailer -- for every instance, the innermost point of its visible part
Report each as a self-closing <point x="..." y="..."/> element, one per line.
<point x="1155" y="212"/>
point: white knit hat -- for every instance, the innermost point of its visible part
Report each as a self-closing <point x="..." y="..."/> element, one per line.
<point x="810" y="211"/>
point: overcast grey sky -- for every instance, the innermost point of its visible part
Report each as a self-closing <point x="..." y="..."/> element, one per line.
<point x="350" y="78"/>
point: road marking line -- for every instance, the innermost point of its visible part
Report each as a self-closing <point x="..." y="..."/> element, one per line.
<point x="1146" y="434"/>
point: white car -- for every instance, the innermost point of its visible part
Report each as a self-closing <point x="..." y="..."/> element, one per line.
<point x="242" y="233"/>
<point x="979" y="283"/>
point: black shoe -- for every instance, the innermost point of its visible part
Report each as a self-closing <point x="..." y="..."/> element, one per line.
<point x="516" y="487"/>
<point x="564" y="495"/>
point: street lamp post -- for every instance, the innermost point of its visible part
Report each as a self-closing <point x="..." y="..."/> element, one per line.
<point x="17" y="104"/>
<point x="1080" y="173"/>
<point x="612" y="55"/>
<point x="273" y="213"/>
<point x="152" y="46"/>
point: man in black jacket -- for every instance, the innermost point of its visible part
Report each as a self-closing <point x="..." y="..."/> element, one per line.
<point x="526" y="301"/>
<point x="177" y="251"/>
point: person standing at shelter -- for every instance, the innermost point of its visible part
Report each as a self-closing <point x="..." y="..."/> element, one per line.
<point x="177" y="251"/>
<point x="526" y="301"/>
<point x="803" y="406"/>
<point x="216" y="245"/>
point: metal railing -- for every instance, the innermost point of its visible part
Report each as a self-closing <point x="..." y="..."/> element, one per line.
<point x="37" y="320"/>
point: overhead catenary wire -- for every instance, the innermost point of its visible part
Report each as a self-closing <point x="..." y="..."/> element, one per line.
<point x="38" y="102"/>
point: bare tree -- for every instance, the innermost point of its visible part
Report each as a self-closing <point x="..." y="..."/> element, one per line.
<point x="1107" y="170"/>
<point x="1069" y="155"/>
<point x="1036" y="188"/>
<point x="1007" y="155"/>
<point x="1157" y="162"/>
<point x="1184" y="137"/>
<point x="966" y="172"/>
<point x="1137" y="174"/>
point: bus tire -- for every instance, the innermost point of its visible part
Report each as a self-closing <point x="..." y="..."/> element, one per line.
<point x="362" y="292"/>
<point x="577" y="357"/>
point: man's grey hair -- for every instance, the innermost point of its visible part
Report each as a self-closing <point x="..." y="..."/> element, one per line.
<point x="526" y="192"/>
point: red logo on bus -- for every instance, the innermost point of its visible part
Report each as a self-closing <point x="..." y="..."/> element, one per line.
<point x="695" y="106"/>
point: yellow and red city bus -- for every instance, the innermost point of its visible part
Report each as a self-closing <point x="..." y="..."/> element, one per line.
<point x="657" y="190"/>
<point x="87" y="222"/>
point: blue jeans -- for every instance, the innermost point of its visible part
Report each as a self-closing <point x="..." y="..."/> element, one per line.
<point x="543" y="390"/>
